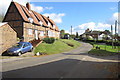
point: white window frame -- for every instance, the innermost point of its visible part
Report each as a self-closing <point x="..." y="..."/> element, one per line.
<point x="41" y="23"/>
<point x="54" y="26"/>
<point x="30" y="19"/>
<point x="30" y="32"/>
<point x="41" y="33"/>
<point x="49" y="23"/>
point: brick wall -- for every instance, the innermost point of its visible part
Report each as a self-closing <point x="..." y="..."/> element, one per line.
<point x="8" y="37"/>
<point x="29" y="31"/>
<point x="40" y="29"/>
<point x="26" y="27"/>
<point x="56" y="33"/>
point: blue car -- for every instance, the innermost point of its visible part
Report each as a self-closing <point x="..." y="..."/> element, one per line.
<point x="20" y="48"/>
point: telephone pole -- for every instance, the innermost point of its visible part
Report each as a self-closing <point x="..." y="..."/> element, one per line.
<point x="112" y="35"/>
<point x="71" y="30"/>
<point x="115" y="32"/>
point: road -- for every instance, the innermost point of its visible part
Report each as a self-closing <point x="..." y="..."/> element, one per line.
<point x="73" y="64"/>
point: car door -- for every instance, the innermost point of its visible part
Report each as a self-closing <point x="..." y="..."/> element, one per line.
<point x="26" y="47"/>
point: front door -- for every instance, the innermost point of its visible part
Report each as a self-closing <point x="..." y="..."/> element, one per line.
<point x="36" y="34"/>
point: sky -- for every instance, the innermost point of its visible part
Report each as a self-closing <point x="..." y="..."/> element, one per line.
<point x="79" y="15"/>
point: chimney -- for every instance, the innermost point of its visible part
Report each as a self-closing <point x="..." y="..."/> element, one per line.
<point x="28" y="5"/>
<point x="48" y="16"/>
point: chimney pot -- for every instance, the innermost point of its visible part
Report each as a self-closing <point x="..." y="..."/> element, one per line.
<point x="28" y="5"/>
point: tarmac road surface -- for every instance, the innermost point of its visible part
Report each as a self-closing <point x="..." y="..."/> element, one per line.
<point x="73" y="64"/>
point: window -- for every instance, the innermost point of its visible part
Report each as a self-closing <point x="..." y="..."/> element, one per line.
<point x="30" y="31"/>
<point x="54" y="26"/>
<point x="41" y="33"/>
<point x="53" y="34"/>
<point x="48" y="23"/>
<point x="41" y="23"/>
<point x="25" y="45"/>
<point x="50" y="33"/>
<point x="30" y="19"/>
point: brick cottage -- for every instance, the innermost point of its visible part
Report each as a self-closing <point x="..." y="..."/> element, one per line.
<point x="28" y="24"/>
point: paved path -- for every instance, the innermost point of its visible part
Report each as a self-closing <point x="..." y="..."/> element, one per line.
<point x="73" y="64"/>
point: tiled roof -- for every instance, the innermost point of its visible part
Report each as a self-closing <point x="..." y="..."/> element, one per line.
<point x="47" y="20"/>
<point x="53" y="23"/>
<point x="21" y="11"/>
<point x="57" y="28"/>
<point x="40" y="17"/>
<point x="26" y="14"/>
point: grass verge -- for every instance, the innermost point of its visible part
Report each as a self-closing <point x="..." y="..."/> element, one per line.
<point x="101" y="52"/>
<point x="105" y="50"/>
<point x="58" y="46"/>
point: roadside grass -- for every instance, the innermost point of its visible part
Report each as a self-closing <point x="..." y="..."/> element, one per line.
<point x="105" y="50"/>
<point x="101" y="52"/>
<point x="57" y="47"/>
<point x="71" y="42"/>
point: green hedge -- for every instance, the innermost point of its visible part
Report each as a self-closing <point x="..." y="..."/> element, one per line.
<point x="49" y="40"/>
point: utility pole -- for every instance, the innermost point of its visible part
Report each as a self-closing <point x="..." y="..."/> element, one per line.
<point x="115" y="32"/>
<point x="112" y="35"/>
<point x="71" y="30"/>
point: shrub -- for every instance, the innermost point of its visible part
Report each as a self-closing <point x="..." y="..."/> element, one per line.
<point x="49" y="40"/>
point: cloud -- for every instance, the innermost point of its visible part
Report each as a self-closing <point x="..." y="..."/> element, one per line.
<point x="102" y="26"/>
<point x="91" y="25"/>
<point x="55" y="17"/>
<point x="37" y="8"/>
<point x="4" y="4"/>
<point x="113" y="8"/>
<point x="49" y="8"/>
<point x="113" y="18"/>
<point x="40" y="9"/>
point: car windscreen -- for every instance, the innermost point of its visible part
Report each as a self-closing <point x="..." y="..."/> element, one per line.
<point x="18" y="45"/>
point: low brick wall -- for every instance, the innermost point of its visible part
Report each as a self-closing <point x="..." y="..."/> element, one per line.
<point x="8" y="37"/>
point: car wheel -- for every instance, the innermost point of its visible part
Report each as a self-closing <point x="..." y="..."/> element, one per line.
<point x="31" y="50"/>
<point x="19" y="54"/>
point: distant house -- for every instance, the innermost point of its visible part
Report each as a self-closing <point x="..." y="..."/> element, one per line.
<point x="28" y="24"/>
<point x="96" y="35"/>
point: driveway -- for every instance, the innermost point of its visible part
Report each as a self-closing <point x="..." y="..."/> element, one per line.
<point x="73" y="64"/>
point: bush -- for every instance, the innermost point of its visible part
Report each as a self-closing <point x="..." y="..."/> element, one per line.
<point x="49" y="40"/>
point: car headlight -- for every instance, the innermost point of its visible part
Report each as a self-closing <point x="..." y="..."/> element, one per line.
<point x="16" y="51"/>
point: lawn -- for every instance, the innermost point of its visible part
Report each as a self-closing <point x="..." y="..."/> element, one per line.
<point x="58" y="46"/>
<point x="105" y="50"/>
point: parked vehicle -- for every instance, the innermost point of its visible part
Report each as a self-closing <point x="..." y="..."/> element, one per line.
<point x="66" y="36"/>
<point x="20" y="48"/>
<point x="76" y="39"/>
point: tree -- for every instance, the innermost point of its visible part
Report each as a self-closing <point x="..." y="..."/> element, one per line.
<point x="72" y="36"/>
<point x="1" y="17"/>
<point x="62" y="33"/>
<point x="107" y="32"/>
<point x="77" y="35"/>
